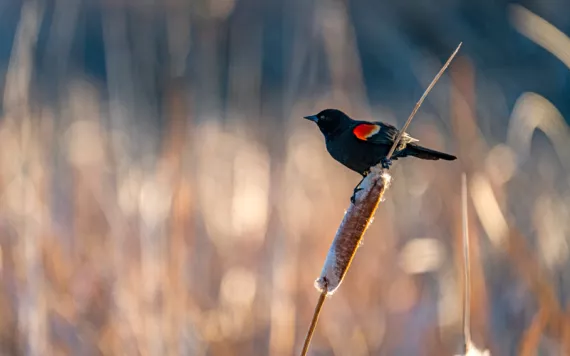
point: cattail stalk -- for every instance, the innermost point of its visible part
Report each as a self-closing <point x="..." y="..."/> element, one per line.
<point x="357" y="219"/>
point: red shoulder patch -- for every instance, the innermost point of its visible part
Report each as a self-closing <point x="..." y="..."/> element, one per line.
<point x="364" y="131"/>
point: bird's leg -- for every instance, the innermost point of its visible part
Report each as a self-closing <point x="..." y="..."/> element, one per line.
<point x="386" y="163"/>
<point x="357" y="188"/>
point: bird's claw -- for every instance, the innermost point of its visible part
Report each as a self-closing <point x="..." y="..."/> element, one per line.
<point x="386" y="163"/>
<point x="353" y="197"/>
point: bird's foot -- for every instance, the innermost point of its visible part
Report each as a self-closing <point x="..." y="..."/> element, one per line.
<point x="386" y="163"/>
<point x="353" y="197"/>
<point x="357" y="188"/>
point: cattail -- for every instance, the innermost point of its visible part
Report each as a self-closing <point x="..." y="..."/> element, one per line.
<point x="359" y="215"/>
<point x="357" y="219"/>
<point x="352" y="228"/>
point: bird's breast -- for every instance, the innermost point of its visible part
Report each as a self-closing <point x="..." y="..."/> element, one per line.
<point x="355" y="155"/>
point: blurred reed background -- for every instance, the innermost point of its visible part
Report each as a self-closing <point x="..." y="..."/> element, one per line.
<point x="160" y="193"/>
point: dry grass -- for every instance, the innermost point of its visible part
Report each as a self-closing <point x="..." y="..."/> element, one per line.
<point x="204" y="237"/>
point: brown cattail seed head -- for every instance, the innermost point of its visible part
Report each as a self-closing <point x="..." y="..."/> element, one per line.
<point x="349" y="234"/>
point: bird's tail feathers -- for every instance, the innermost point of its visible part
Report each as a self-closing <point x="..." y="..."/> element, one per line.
<point x="413" y="149"/>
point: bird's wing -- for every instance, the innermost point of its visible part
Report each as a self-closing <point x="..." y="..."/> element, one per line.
<point x="379" y="133"/>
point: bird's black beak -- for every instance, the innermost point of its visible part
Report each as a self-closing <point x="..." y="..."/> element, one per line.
<point x="312" y="118"/>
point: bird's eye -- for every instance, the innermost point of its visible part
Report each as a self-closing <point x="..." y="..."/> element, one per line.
<point x="322" y="117"/>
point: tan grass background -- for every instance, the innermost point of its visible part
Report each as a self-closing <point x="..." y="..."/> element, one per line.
<point x="193" y="219"/>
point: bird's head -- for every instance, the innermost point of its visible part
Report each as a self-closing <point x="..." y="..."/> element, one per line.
<point x="330" y="120"/>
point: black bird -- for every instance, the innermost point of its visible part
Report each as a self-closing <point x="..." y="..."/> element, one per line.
<point x="359" y="145"/>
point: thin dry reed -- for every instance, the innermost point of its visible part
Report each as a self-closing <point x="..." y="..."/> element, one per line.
<point x="469" y="348"/>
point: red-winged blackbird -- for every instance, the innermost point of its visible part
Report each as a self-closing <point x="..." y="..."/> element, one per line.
<point x="359" y="145"/>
